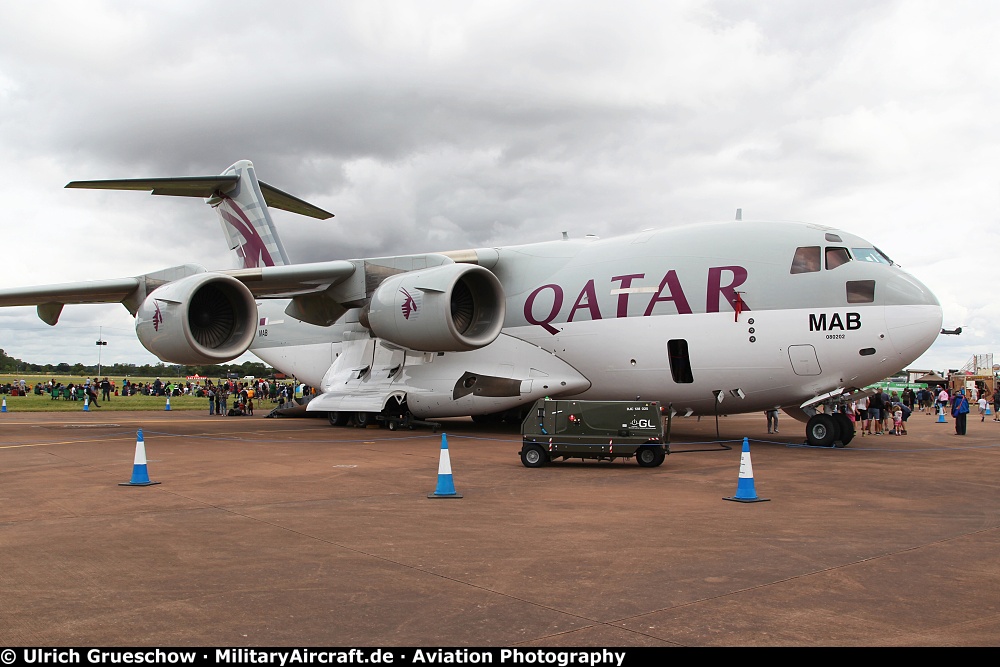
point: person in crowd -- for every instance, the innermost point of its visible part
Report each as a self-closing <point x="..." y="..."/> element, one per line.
<point x="960" y="411"/>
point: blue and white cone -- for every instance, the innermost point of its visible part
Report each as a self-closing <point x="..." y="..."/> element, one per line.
<point x="745" y="492"/>
<point x="940" y="419"/>
<point x="168" y="404"/>
<point x="140" y="475"/>
<point x="988" y="409"/>
<point x="3" y="408"/>
<point x="86" y="403"/>
<point x="446" y="485"/>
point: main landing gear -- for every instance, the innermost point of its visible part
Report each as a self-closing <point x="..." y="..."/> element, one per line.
<point x="829" y="430"/>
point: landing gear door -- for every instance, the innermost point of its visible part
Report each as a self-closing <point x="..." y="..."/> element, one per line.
<point x="352" y="366"/>
<point x="804" y="360"/>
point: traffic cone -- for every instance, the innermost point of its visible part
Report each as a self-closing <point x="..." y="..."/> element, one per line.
<point x="168" y="404"/>
<point x="745" y="492"/>
<point x="446" y="485"/>
<point x="3" y="408"/>
<point x="86" y="403"/>
<point x="988" y="413"/>
<point x="140" y="475"/>
<point x="940" y="419"/>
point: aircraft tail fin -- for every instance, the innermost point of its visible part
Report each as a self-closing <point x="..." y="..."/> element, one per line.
<point x="241" y="202"/>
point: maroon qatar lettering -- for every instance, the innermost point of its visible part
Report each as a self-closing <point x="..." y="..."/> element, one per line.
<point x="720" y="285"/>
<point x="586" y="301"/>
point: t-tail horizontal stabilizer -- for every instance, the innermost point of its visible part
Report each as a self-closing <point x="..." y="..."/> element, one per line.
<point x="241" y="202"/>
<point x="206" y="187"/>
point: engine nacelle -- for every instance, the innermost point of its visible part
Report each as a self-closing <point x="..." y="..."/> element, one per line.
<point x="449" y="308"/>
<point x="208" y="318"/>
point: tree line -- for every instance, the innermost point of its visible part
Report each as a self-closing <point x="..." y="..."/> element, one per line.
<point x="11" y="365"/>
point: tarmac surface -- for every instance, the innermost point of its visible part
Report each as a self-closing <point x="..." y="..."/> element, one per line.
<point x="290" y="532"/>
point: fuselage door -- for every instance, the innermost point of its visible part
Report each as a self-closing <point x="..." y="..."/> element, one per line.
<point x="804" y="360"/>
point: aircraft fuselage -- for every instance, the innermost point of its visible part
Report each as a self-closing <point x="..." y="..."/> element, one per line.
<point x="676" y="315"/>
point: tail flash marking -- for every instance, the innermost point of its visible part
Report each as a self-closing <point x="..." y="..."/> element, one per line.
<point x="253" y="251"/>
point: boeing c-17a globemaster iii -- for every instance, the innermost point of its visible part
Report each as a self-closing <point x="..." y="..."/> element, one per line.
<point x="761" y="314"/>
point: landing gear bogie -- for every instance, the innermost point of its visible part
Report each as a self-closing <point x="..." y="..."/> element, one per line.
<point x="823" y="430"/>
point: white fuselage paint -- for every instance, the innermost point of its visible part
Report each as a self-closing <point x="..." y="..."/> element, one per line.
<point x="593" y="319"/>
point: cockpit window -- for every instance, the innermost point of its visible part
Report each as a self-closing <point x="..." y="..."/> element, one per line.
<point x="870" y="255"/>
<point x="806" y="259"/>
<point x="836" y="256"/>
<point x="884" y="256"/>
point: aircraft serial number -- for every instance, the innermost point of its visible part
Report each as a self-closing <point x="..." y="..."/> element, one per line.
<point x="835" y="336"/>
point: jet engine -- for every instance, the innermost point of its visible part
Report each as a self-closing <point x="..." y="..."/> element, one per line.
<point x="208" y="318"/>
<point x="449" y="308"/>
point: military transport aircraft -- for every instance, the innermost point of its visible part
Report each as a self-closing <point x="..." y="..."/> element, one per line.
<point x="757" y="314"/>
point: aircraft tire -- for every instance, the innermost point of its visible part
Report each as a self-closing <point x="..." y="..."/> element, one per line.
<point x="846" y="429"/>
<point x="393" y="424"/>
<point x="649" y="457"/>
<point x="362" y="419"/>
<point x="337" y="418"/>
<point x="533" y="456"/>
<point x="822" y="430"/>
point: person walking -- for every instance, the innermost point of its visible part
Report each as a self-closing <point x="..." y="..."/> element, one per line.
<point x="982" y="407"/>
<point x="91" y="391"/>
<point x="211" y="400"/>
<point x="960" y="411"/>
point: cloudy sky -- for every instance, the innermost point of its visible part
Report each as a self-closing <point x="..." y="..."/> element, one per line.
<point x="438" y="125"/>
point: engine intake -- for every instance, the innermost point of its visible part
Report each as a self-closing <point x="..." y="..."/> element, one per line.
<point x="449" y="308"/>
<point x="208" y="318"/>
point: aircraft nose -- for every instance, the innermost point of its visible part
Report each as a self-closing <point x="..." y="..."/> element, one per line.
<point x="902" y="289"/>
<point x="913" y="316"/>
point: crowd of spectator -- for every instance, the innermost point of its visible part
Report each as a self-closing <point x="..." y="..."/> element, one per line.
<point x="242" y="393"/>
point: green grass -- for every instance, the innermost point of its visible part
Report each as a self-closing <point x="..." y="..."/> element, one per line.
<point x="45" y="403"/>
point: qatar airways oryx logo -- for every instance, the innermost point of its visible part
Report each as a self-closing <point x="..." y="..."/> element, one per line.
<point x="409" y="306"/>
<point x="253" y="250"/>
<point x="157" y="316"/>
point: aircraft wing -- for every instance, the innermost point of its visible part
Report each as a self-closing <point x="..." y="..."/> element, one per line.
<point x="265" y="282"/>
<point x="94" y="291"/>
<point x="293" y="279"/>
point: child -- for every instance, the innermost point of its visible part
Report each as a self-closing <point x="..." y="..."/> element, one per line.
<point x="982" y="408"/>
<point x="897" y="419"/>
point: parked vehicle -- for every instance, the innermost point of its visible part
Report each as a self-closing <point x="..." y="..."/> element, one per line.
<point x="601" y="430"/>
